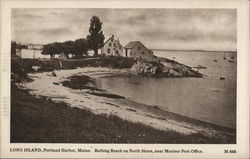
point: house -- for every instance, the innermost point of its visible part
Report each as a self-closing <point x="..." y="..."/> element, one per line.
<point x="112" y="47"/>
<point x="136" y="49"/>
<point x="35" y="46"/>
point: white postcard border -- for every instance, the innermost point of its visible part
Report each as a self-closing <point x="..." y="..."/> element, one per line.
<point x="209" y="150"/>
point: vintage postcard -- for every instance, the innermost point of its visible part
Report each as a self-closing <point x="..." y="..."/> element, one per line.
<point x="125" y="79"/>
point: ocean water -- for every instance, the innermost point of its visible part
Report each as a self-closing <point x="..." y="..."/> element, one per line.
<point x="207" y="99"/>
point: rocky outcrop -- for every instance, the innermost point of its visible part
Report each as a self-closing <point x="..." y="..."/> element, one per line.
<point x="164" y="68"/>
<point x="148" y="68"/>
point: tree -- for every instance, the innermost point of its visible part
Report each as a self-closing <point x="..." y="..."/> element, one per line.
<point x="81" y="47"/>
<point x="48" y="50"/>
<point x="95" y="37"/>
<point x="68" y="47"/>
<point x="52" y="49"/>
<point x="20" y="46"/>
<point x="77" y="48"/>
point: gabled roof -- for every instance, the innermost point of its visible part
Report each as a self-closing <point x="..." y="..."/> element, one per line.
<point x="112" y="37"/>
<point x="107" y="41"/>
<point x="131" y="44"/>
<point x="118" y="45"/>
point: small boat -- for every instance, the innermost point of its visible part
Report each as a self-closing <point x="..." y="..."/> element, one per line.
<point x="230" y="61"/>
<point x="222" y="78"/>
<point x="224" y="57"/>
<point x="215" y="60"/>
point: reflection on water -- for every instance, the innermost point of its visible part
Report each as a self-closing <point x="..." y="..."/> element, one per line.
<point x="210" y="100"/>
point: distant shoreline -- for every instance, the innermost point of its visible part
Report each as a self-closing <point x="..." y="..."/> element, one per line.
<point x="195" y="51"/>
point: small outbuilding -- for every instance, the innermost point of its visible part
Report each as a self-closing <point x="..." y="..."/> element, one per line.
<point x="136" y="49"/>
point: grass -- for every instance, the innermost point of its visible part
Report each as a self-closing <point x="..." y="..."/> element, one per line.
<point x="25" y="65"/>
<point x="40" y="120"/>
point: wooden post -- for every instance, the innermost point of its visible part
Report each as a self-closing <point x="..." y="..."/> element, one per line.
<point x="60" y="64"/>
<point x="33" y="54"/>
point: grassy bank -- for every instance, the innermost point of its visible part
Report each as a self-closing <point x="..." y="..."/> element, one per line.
<point x="140" y="67"/>
<point x="25" y="65"/>
<point x="41" y="120"/>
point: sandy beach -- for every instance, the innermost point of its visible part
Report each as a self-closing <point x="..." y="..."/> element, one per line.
<point x="45" y="84"/>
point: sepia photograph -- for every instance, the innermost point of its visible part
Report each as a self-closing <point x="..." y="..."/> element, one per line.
<point x="124" y="79"/>
<point x="123" y="75"/>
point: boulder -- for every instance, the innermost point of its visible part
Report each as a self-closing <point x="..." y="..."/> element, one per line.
<point x="145" y="68"/>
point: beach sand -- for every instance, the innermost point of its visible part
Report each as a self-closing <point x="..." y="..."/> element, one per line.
<point x="45" y="84"/>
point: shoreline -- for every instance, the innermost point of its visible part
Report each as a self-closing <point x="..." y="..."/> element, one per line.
<point x="40" y="120"/>
<point x="127" y="109"/>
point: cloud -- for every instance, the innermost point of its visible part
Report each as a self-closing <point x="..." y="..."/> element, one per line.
<point x="54" y="31"/>
<point x="157" y="28"/>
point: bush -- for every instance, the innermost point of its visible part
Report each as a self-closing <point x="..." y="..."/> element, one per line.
<point x="77" y="48"/>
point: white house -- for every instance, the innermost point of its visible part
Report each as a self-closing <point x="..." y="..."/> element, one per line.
<point x="112" y="47"/>
<point x="35" y="46"/>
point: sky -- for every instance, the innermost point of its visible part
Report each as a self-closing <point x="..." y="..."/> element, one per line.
<point x="172" y="29"/>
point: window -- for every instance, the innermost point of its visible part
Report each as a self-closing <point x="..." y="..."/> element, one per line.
<point x="116" y="51"/>
<point x="120" y="47"/>
<point x="139" y="48"/>
<point x="142" y="52"/>
<point x="109" y="44"/>
<point x="108" y="50"/>
<point x="114" y="44"/>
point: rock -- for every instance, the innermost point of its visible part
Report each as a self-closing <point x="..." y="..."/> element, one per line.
<point x="168" y="65"/>
<point x="200" y="67"/>
<point x="36" y="68"/>
<point x="163" y="67"/>
<point x="173" y="73"/>
<point x="145" y="68"/>
<point x="54" y="73"/>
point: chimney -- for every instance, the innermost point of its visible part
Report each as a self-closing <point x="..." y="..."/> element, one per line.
<point x="112" y="36"/>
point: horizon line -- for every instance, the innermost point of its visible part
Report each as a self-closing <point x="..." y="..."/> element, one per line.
<point x="193" y="50"/>
<point x="154" y="49"/>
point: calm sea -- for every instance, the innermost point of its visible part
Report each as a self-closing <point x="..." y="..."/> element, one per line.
<point x="207" y="99"/>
